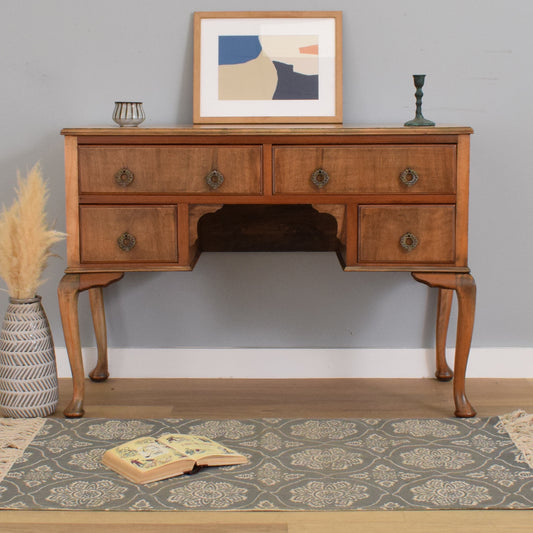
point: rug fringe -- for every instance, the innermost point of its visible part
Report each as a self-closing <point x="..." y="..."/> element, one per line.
<point x="15" y="436"/>
<point x="519" y="425"/>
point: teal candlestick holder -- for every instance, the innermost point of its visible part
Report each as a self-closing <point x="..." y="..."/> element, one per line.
<point x="419" y="119"/>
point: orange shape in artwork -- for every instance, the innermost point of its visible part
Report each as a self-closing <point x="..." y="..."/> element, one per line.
<point x="312" y="49"/>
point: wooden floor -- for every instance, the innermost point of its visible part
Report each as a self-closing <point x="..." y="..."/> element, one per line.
<point x="221" y="398"/>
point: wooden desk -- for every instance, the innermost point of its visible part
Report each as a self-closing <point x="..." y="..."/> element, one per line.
<point x="385" y="199"/>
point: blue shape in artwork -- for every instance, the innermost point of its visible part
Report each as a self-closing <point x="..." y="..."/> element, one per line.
<point x="235" y="49"/>
<point x="293" y="85"/>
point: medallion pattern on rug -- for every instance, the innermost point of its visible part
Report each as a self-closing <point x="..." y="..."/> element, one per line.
<point x="296" y="464"/>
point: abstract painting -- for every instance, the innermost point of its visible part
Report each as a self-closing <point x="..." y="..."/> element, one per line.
<point x="267" y="67"/>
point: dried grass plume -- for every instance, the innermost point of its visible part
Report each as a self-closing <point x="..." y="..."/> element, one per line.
<point x="25" y="236"/>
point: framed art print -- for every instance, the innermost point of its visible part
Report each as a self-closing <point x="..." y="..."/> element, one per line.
<point x="269" y="66"/>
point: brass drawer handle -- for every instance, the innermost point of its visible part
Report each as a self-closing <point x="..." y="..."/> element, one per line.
<point x="214" y="179"/>
<point x="320" y="178"/>
<point x="408" y="241"/>
<point x="126" y="241"/>
<point x="409" y="177"/>
<point x="124" y="177"/>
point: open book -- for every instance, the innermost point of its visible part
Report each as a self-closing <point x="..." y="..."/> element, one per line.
<point x="150" y="459"/>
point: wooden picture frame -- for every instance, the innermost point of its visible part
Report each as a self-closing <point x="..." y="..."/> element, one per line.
<point x="267" y="67"/>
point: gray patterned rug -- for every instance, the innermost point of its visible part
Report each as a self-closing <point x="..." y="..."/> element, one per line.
<point x="296" y="464"/>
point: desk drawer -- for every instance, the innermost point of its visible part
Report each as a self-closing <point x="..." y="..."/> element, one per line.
<point x="170" y="169"/>
<point x="366" y="169"/>
<point x="407" y="234"/>
<point x="128" y="234"/>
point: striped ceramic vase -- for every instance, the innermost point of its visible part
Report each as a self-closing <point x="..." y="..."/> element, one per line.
<point x="28" y="373"/>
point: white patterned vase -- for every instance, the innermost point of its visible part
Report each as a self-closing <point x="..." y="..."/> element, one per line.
<point x="28" y="373"/>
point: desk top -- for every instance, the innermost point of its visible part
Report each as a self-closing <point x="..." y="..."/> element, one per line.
<point x="274" y="129"/>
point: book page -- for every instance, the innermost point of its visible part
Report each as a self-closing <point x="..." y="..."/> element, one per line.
<point x="195" y="446"/>
<point x="147" y="453"/>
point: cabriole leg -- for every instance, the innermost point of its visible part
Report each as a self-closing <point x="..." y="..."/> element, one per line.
<point x="443" y="372"/>
<point x="466" y="295"/>
<point x="96" y="298"/>
<point x="465" y="288"/>
<point x="68" y="293"/>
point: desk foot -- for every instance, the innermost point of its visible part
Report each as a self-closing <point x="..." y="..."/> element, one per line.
<point x="444" y="376"/>
<point x="68" y="291"/>
<point x="98" y="375"/>
<point x="465" y="288"/>
<point x="74" y="409"/>
<point x="465" y="410"/>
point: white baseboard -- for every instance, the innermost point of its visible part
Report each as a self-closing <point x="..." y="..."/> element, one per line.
<point x="298" y="362"/>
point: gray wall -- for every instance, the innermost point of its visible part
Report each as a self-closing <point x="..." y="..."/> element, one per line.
<point x="64" y="62"/>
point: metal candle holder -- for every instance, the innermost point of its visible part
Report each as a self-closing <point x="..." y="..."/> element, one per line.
<point x="419" y="119"/>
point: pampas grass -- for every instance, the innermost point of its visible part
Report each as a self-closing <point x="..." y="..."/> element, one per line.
<point x="25" y="237"/>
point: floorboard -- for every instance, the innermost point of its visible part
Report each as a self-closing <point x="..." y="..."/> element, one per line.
<point x="334" y="398"/>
